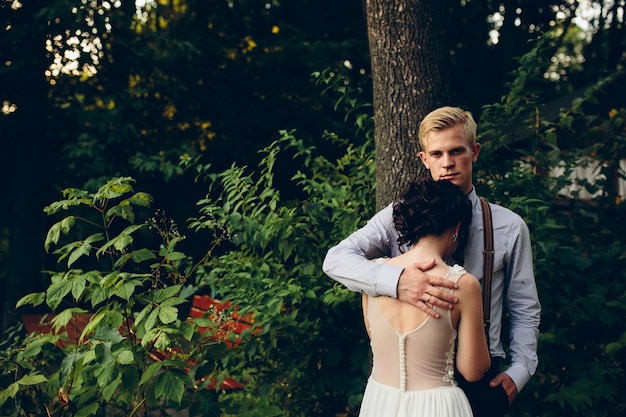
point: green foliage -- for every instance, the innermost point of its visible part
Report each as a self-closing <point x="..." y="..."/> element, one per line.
<point x="294" y="359"/>
<point x="580" y="262"/>
<point x="137" y="352"/>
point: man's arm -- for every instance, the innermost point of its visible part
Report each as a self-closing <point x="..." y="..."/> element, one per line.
<point x="349" y="261"/>
<point x="523" y="307"/>
<point x="349" y="264"/>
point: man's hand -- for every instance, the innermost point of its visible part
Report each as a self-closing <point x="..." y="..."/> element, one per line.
<point x="425" y="291"/>
<point x="507" y="383"/>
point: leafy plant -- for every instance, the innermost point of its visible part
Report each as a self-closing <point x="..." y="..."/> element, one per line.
<point x="138" y="353"/>
<point x="578" y="243"/>
<point x="309" y="353"/>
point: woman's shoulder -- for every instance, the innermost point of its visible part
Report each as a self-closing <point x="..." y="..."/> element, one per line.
<point x="469" y="284"/>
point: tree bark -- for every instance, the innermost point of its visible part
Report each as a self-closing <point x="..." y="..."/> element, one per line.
<point x="410" y="76"/>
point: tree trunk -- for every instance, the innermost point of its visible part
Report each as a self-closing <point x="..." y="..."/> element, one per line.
<point x="410" y="75"/>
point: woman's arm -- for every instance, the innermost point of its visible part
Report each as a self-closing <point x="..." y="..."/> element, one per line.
<point x="472" y="358"/>
<point x="365" y="320"/>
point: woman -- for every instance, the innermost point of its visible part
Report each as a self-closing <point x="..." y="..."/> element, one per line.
<point x="414" y="354"/>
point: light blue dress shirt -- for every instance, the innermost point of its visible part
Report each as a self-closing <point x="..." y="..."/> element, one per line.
<point x="513" y="280"/>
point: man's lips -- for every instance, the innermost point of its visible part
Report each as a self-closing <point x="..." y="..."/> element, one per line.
<point x="448" y="177"/>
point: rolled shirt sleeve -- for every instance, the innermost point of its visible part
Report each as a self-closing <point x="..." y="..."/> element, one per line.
<point x="349" y="261"/>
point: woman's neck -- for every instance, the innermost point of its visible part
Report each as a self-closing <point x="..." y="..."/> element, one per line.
<point x="431" y="247"/>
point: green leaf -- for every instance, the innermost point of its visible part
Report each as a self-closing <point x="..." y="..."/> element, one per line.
<point x="64" y="317"/>
<point x="32" y="379"/>
<point x="78" y="287"/>
<point x="126" y="290"/>
<point x="162" y="294"/>
<point x="33" y="299"/>
<point x="109" y="390"/>
<point x="55" y="231"/>
<point x="89" y="410"/>
<point x="142" y="255"/>
<point x="108" y="334"/>
<point x="125" y="357"/>
<point x="141" y="199"/>
<point x="187" y="291"/>
<point x="174" y="301"/>
<point x="150" y="372"/>
<point x="75" y="197"/>
<point x="109" y="370"/>
<point x="93" y="323"/>
<point x="10" y="392"/>
<point x="34" y="346"/>
<point x="175" y="256"/>
<point x="151" y="320"/>
<point x="188" y="330"/>
<point x="140" y="316"/>
<point x="168" y="314"/>
<point x="69" y="365"/>
<point x="83" y="250"/>
<point x="121" y="242"/>
<point x="170" y="385"/>
<point x="58" y="289"/>
<point x="162" y="342"/>
<point x="123" y="210"/>
<point x="114" y="188"/>
<point x="111" y="279"/>
<point x="99" y="294"/>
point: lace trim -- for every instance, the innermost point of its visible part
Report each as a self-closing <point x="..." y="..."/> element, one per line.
<point x="449" y="375"/>
<point x="457" y="269"/>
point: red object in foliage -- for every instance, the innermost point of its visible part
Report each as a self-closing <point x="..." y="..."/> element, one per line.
<point x="202" y="306"/>
<point x="42" y="323"/>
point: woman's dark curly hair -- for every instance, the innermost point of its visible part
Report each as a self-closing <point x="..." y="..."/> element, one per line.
<point x="429" y="207"/>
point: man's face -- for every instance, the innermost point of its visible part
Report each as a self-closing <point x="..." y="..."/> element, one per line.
<point x="449" y="156"/>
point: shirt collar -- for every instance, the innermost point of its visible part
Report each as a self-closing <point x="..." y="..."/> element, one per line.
<point x="473" y="197"/>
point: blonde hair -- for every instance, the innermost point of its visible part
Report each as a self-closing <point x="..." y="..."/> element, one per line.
<point x="445" y="117"/>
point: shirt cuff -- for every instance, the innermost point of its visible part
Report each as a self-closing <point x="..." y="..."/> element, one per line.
<point x="519" y="375"/>
<point x="387" y="280"/>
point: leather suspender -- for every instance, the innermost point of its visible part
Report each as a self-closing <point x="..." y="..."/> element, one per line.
<point x="487" y="265"/>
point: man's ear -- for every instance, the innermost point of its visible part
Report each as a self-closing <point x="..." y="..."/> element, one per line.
<point x="422" y="156"/>
<point x="475" y="152"/>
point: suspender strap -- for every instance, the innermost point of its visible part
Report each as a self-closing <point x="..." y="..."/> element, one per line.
<point x="487" y="265"/>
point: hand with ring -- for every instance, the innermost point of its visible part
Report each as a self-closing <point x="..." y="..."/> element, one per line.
<point x="425" y="291"/>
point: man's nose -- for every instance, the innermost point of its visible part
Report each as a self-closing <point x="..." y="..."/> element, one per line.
<point x="448" y="161"/>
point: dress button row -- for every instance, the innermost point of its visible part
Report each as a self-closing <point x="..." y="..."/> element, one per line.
<point x="402" y="338"/>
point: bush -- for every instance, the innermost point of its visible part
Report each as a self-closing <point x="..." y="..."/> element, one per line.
<point x="137" y="354"/>
<point x="578" y="242"/>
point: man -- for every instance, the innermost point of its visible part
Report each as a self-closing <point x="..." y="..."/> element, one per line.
<point x="448" y="141"/>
